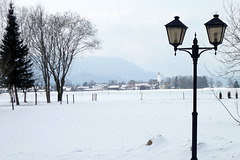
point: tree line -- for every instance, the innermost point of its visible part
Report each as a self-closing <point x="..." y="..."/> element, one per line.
<point x="177" y="82"/>
<point x="186" y="82"/>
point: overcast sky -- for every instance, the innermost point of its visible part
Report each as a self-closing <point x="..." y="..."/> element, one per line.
<point x="134" y="29"/>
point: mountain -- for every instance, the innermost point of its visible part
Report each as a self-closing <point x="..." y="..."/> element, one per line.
<point x="103" y="69"/>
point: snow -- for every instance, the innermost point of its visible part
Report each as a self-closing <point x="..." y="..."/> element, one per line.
<point x="118" y="126"/>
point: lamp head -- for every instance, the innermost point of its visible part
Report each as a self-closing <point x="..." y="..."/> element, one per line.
<point x="176" y="31"/>
<point x="215" y="30"/>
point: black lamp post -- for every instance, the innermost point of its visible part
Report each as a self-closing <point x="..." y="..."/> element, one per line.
<point x="176" y="31"/>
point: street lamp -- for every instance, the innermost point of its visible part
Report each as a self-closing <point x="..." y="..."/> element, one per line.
<point x="176" y="31"/>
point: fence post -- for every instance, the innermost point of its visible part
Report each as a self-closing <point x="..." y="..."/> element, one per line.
<point x="73" y="98"/>
<point x="67" y="98"/>
<point x="141" y="96"/>
<point x="35" y="98"/>
<point x="94" y="97"/>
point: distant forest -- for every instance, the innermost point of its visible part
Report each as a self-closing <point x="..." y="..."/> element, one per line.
<point x="186" y="82"/>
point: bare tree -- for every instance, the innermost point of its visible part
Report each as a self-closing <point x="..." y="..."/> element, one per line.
<point x="35" y="26"/>
<point x="55" y="40"/>
<point x="72" y="35"/>
<point x="231" y="57"/>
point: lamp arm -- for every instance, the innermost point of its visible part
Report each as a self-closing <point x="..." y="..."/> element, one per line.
<point x="207" y="49"/>
<point x="185" y="50"/>
<point x="204" y="49"/>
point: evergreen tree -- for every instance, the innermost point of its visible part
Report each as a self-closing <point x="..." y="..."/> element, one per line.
<point x="176" y="83"/>
<point x="15" y="65"/>
<point x="236" y="85"/>
<point x="202" y="82"/>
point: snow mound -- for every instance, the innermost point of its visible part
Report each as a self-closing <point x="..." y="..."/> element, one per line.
<point x="159" y="140"/>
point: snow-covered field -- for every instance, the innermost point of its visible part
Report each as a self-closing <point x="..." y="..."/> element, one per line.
<point x="118" y="126"/>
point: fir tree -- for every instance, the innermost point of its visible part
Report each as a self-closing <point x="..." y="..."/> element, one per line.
<point x="236" y="85"/>
<point x="15" y="65"/>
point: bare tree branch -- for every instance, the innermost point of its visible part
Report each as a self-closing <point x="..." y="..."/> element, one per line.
<point x="238" y="121"/>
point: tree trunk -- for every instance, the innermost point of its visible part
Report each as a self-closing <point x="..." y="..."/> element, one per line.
<point x="16" y="95"/>
<point x="60" y="93"/>
<point x="35" y="90"/>
<point x="59" y="90"/>
<point x="48" y="95"/>
<point x="12" y="103"/>
<point x="47" y="88"/>
<point x="10" y="91"/>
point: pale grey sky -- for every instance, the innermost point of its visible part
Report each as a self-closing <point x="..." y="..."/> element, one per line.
<point x="134" y="29"/>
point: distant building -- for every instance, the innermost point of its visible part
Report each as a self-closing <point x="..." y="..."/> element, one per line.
<point x="142" y="86"/>
<point x="101" y="87"/>
<point x="82" y="88"/>
<point x="125" y="87"/>
<point x="67" y="88"/>
<point x="114" y="87"/>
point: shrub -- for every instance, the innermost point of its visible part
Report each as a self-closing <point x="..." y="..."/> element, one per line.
<point x="220" y="95"/>
<point x="229" y="95"/>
